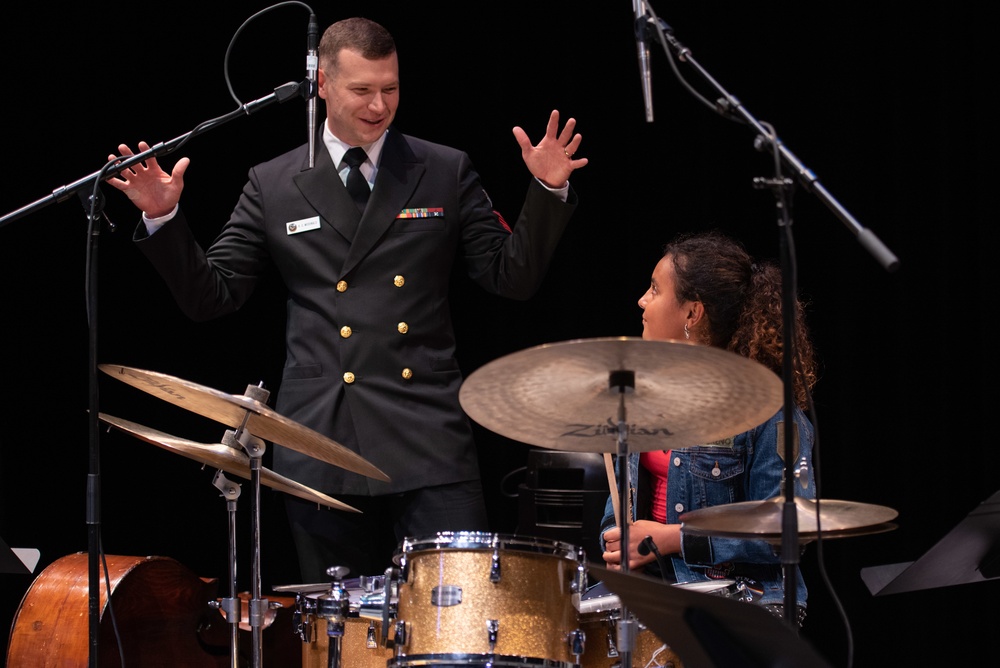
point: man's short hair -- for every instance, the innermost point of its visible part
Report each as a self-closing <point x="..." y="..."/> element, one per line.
<point x="363" y="35"/>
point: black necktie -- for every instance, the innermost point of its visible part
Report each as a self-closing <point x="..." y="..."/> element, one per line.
<point x="357" y="184"/>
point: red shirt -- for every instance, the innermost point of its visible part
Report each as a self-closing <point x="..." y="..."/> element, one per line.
<point x="657" y="463"/>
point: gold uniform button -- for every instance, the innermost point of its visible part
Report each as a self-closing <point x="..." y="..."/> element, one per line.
<point x="407" y="374"/>
<point x="341" y="286"/>
<point x="345" y="332"/>
<point x="403" y="328"/>
<point x="348" y="377"/>
<point x="398" y="280"/>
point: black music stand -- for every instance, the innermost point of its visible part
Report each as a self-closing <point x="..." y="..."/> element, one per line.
<point x="968" y="553"/>
<point x="17" y="561"/>
<point x="707" y="630"/>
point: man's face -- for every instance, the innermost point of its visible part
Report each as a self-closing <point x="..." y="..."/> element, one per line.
<point x="361" y="96"/>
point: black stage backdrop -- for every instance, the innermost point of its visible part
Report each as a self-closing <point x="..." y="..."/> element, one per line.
<point x="889" y="110"/>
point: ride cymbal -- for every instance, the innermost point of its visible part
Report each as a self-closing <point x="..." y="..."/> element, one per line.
<point x="763" y="520"/>
<point x="226" y="458"/>
<point x="567" y="396"/>
<point x="234" y="410"/>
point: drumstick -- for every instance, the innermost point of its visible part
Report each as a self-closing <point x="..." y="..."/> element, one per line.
<point x="613" y="485"/>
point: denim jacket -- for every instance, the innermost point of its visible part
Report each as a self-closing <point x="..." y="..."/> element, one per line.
<point x="747" y="467"/>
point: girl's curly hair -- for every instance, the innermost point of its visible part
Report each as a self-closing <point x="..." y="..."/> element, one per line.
<point x="743" y="304"/>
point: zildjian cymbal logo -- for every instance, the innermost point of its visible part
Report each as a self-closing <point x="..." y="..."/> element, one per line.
<point x="165" y="387"/>
<point x="610" y="427"/>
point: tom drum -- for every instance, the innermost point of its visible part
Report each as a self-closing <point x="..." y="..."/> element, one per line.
<point x="480" y="599"/>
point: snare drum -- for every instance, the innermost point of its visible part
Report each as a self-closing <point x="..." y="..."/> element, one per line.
<point x="724" y="588"/>
<point x="361" y="645"/>
<point x="479" y="599"/>
<point x="600" y="613"/>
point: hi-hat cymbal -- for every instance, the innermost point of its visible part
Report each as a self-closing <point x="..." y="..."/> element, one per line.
<point x="763" y="520"/>
<point x="226" y="458"/>
<point x="233" y="410"/>
<point x="561" y="396"/>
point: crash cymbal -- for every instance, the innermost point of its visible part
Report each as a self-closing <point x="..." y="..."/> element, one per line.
<point x="561" y="396"/>
<point x="224" y="457"/>
<point x="762" y="520"/>
<point x="233" y="410"/>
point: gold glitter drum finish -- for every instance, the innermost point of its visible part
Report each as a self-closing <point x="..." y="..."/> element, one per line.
<point x="360" y="647"/>
<point x="362" y="644"/>
<point x="602" y="646"/>
<point x="481" y="599"/>
<point x="600" y="611"/>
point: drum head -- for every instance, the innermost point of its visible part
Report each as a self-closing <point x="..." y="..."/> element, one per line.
<point x="706" y="586"/>
<point x="597" y="598"/>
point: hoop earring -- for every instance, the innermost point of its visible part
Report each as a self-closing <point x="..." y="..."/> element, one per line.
<point x="687" y="331"/>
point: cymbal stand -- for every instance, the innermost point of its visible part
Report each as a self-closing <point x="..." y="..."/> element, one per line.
<point x="622" y="381"/>
<point x="254" y="447"/>
<point x="230" y="606"/>
<point x="94" y="203"/>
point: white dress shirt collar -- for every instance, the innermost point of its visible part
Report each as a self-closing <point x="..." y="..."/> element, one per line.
<point x="338" y="148"/>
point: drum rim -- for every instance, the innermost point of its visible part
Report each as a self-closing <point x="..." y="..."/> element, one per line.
<point x="360" y="598"/>
<point x="476" y="659"/>
<point x="705" y="586"/>
<point x="482" y="540"/>
<point x="597" y="604"/>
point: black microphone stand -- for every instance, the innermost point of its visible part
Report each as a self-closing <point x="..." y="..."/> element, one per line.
<point x="93" y="510"/>
<point x="622" y="381"/>
<point x="730" y="107"/>
<point x="765" y="139"/>
<point x="94" y="203"/>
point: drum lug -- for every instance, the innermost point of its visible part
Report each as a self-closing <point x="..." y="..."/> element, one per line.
<point x="577" y="642"/>
<point x="742" y="592"/>
<point x="579" y="584"/>
<point x="400" y="635"/>
<point x="370" y="641"/>
<point x="495" y="566"/>
<point x="390" y="587"/>
<point x="612" y="643"/>
<point x="300" y="623"/>
<point x="297" y="616"/>
<point x="492" y="630"/>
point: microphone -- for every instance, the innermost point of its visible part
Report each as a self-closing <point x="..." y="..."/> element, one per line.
<point x="641" y="28"/>
<point x="312" y="64"/>
<point x="646" y="546"/>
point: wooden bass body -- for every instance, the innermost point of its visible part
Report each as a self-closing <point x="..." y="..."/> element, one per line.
<point x="162" y="610"/>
